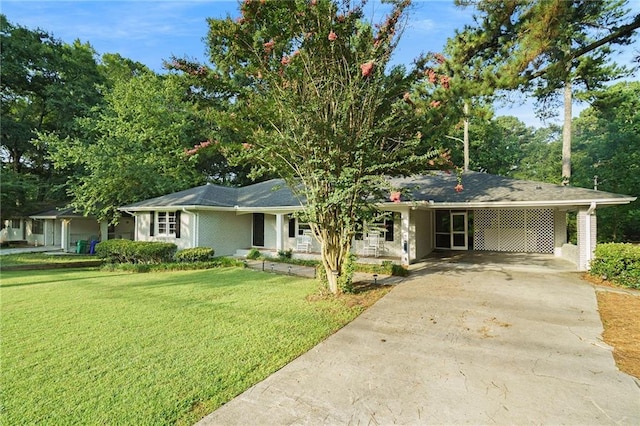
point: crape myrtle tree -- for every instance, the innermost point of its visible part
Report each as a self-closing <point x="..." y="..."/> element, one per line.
<point x="547" y="47"/>
<point x="316" y="102"/>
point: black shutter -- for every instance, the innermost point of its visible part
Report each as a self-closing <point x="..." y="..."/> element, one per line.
<point x="152" y="224"/>
<point x="292" y="227"/>
<point x="178" y="224"/>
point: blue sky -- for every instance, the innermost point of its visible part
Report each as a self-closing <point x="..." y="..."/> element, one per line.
<point x="152" y="31"/>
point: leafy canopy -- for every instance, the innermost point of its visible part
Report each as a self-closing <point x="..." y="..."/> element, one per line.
<point x="315" y="101"/>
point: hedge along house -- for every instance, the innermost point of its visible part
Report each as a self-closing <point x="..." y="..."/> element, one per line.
<point x="492" y="213"/>
<point x="64" y="228"/>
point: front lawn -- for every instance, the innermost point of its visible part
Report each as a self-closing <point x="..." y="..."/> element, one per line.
<point x="43" y="259"/>
<point x="93" y="347"/>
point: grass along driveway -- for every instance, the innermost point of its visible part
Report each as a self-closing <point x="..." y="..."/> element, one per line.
<point x="92" y="347"/>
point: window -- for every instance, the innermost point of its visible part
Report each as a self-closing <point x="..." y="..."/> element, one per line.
<point x="384" y="225"/>
<point x="37" y="227"/>
<point x="303" y="228"/>
<point x="16" y="223"/>
<point x="166" y="223"/>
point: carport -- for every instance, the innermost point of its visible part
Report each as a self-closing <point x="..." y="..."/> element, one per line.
<point x="498" y="215"/>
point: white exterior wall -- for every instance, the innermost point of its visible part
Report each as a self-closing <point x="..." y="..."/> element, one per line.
<point x="560" y="231"/>
<point x="269" y="231"/>
<point x="424" y="228"/>
<point x="226" y="232"/>
<point x="143" y="222"/>
<point x="83" y="229"/>
<point x="587" y="238"/>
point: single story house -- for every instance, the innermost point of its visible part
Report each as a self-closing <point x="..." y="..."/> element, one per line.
<point x="492" y="213"/>
<point x="64" y="228"/>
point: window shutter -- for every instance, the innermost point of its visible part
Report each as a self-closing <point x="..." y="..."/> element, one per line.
<point x="152" y="223"/>
<point x="178" y="224"/>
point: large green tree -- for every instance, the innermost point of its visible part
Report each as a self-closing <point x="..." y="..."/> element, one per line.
<point x="317" y="103"/>
<point x="45" y="85"/>
<point x="547" y="47"/>
<point x="608" y="155"/>
<point x="133" y="147"/>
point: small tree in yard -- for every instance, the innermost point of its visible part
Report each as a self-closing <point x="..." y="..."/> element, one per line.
<point x="315" y="101"/>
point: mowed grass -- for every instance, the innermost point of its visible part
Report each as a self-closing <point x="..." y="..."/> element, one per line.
<point x="93" y="347"/>
<point x="41" y="259"/>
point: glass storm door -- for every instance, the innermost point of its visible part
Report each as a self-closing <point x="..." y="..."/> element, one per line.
<point x="459" y="231"/>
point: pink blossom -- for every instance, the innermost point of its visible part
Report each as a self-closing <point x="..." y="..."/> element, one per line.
<point x="332" y="36"/>
<point x="285" y="60"/>
<point x="366" y="68"/>
<point x="459" y="187"/>
<point x="395" y="196"/>
<point x="444" y="81"/>
<point x="247" y="145"/>
<point x="269" y="45"/>
<point x="435" y="104"/>
<point x="431" y="74"/>
<point x="439" y="58"/>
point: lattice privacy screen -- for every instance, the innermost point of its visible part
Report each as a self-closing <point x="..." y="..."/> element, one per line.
<point x="517" y="230"/>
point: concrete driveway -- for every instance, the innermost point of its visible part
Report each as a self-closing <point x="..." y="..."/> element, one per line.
<point x="453" y="346"/>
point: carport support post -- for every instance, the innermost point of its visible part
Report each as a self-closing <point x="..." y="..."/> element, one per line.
<point x="587" y="233"/>
<point x="64" y="237"/>
<point x="406" y="244"/>
<point x="279" y="231"/>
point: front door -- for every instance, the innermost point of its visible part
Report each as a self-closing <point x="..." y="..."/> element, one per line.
<point x="258" y="229"/>
<point x="459" y="231"/>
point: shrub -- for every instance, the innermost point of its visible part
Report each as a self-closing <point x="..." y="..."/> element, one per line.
<point x="196" y="254"/>
<point x="253" y="254"/>
<point x="219" y="262"/>
<point x="285" y="254"/>
<point x="618" y="263"/>
<point x="127" y="251"/>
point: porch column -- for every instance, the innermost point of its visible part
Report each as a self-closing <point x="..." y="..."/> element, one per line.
<point x="587" y="233"/>
<point x="279" y="231"/>
<point x="64" y="235"/>
<point x="405" y="233"/>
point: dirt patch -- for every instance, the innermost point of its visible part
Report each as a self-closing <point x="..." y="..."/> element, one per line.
<point x="364" y="294"/>
<point x="620" y="314"/>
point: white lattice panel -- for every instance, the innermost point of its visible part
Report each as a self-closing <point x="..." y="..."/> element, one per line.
<point x="514" y="230"/>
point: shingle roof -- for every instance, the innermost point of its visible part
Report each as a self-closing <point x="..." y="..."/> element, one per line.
<point x="487" y="188"/>
<point x="482" y="188"/>
<point x="57" y="214"/>
<point x="272" y="193"/>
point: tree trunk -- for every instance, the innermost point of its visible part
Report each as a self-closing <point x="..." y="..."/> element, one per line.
<point x="334" y="254"/>
<point x="466" y="136"/>
<point x="566" y="134"/>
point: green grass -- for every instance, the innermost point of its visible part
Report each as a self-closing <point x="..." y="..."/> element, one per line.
<point x="93" y="347"/>
<point x="42" y="259"/>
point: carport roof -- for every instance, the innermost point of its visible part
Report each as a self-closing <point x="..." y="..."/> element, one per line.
<point x="434" y="190"/>
<point x="486" y="190"/>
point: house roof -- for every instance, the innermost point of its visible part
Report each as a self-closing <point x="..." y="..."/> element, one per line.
<point x="486" y="190"/>
<point x="65" y="213"/>
<point x="434" y="190"/>
<point x="270" y="194"/>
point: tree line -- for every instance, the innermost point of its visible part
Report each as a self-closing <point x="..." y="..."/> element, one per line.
<point x="305" y="90"/>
